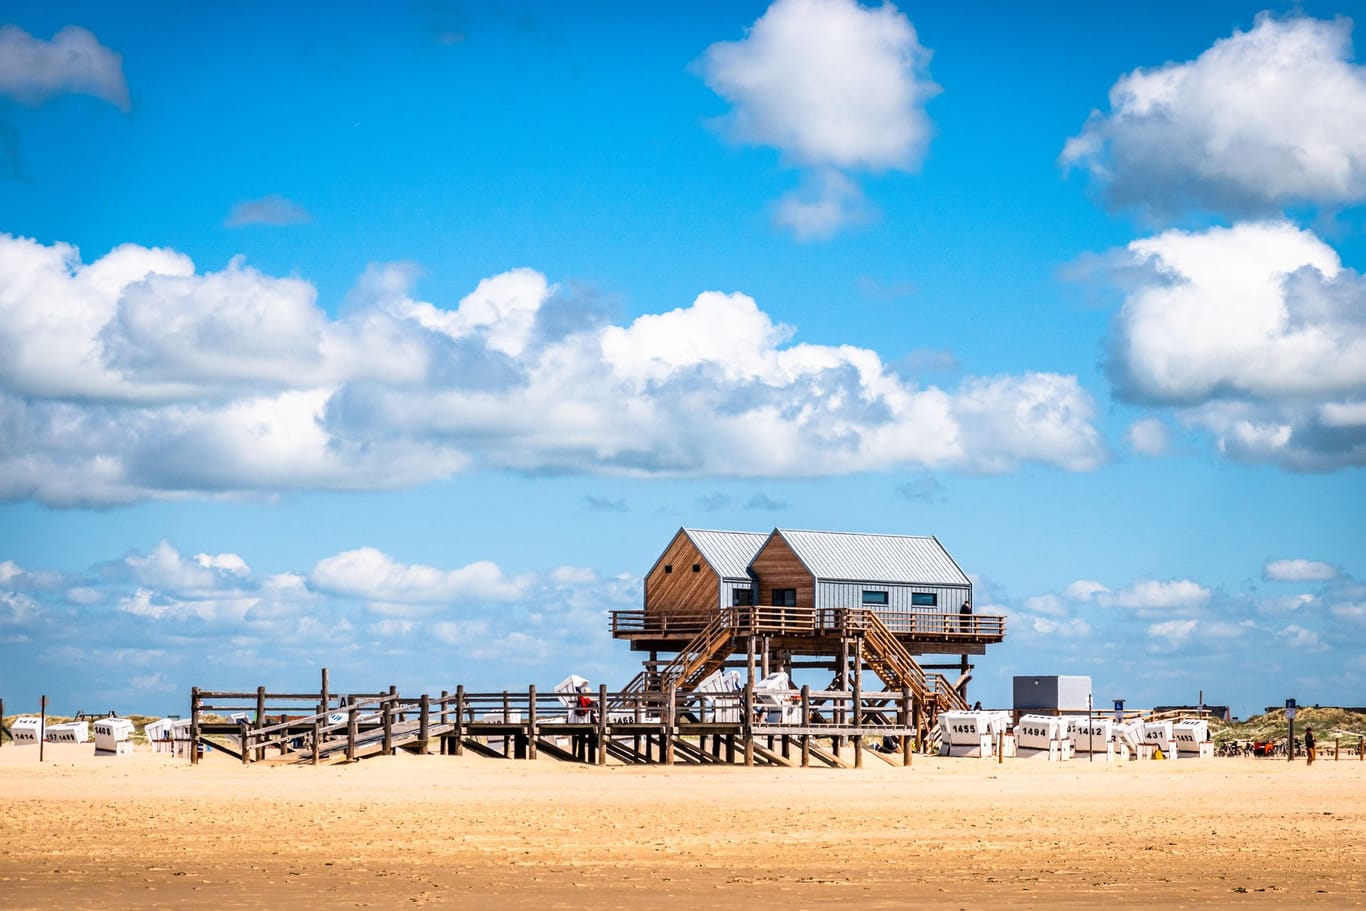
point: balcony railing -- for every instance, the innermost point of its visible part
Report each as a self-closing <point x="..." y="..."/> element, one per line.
<point x="775" y="620"/>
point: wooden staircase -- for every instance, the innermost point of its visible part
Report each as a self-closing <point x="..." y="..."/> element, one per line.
<point x="705" y="653"/>
<point x="896" y="667"/>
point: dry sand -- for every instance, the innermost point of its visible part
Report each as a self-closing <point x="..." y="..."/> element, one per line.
<point x="149" y="830"/>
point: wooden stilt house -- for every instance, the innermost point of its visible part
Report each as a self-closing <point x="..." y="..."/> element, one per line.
<point x="792" y="600"/>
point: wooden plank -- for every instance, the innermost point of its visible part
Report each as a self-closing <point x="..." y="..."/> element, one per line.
<point x="769" y="756"/>
<point x="828" y="758"/>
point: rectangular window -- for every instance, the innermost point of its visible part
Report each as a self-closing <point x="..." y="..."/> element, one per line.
<point x="784" y="597"/>
<point x="741" y="597"/>
<point x="924" y="599"/>
<point x="875" y="598"/>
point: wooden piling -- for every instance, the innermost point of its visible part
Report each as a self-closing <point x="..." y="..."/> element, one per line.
<point x="857" y="705"/>
<point x="907" y="743"/>
<point x="460" y="720"/>
<point x="602" y="724"/>
<point x="531" y="722"/>
<point x="261" y="717"/>
<point x="194" y="725"/>
<point x="42" y="726"/>
<point x="352" y="723"/>
<point x="424" y="724"/>
<point x="670" y="725"/>
<point x="806" y="726"/>
<point x="747" y="725"/>
<point x="325" y="696"/>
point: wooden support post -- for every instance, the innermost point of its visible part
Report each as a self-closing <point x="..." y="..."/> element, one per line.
<point x="670" y="724"/>
<point x="244" y="735"/>
<point x="194" y="726"/>
<point x="460" y="720"/>
<point x="904" y="718"/>
<point x="749" y="657"/>
<point x="325" y="697"/>
<point x="352" y="723"/>
<point x="531" y="722"/>
<point x="424" y="725"/>
<point x="445" y="715"/>
<point x="260" y="717"/>
<point x="915" y="723"/>
<point x="386" y="719"/>
<point x="42" y="726"/>
<point x="857" y="704"/>
<point x="602" y="724"/>
<point x="764" y="665"/>
<point x="747" y="726"/>
<point x="317" y="739"/>
<point x="806" y="725"/>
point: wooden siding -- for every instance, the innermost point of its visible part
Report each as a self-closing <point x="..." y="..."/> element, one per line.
<point x="681" y="591"/>
<point x="776" y="566"/>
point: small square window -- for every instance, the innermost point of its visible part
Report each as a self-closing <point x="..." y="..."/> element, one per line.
<point x="668" y="567"/>
<point x="784" y="597"/>
<point x="875" y="598"/>
<point x="924" y="599"/>
<point x="741" y="597"/>
<point x="697" y="567"/>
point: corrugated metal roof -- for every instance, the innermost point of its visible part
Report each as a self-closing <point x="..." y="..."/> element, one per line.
<point x="728" y="552"/>
<point x="874" y="558"/>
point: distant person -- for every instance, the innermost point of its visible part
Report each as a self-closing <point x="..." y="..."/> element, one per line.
<point x="965" y="617"/>
<point x="977" y="706"/>
<point x="1309" y="743"/>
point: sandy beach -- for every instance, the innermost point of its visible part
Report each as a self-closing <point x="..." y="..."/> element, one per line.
<point x="148" y="830"/>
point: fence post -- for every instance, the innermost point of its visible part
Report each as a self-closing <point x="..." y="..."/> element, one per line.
<point x="318" y="732"/>
<point x="670" y="725"/>
<point x="602" y="724"/>
<point x="424" y="725"/>
<point x="261" y="717"/>
<point x="747" y="724"/>
<point x="806" y="725"/>
<point x="244" y="733"/>
<point x="857" y="704"/>
<point x="194" y="725"/>
<point x="386" y="717"/>
<point x="460" y="720"/>
<point x="352" y="721"/>
<point x="907" y="741"/>
<point x="531" y="722"/>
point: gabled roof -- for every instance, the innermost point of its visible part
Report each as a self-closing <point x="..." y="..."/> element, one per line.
<point x="832" y="555"/>
<point x="728" y="552"/>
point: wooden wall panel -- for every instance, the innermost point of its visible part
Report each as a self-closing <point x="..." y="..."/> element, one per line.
<point x="777" y="566"/>
<point x="681" y="591"/>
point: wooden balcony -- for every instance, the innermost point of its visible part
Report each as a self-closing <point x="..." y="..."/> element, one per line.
<point x="919" y="631"/>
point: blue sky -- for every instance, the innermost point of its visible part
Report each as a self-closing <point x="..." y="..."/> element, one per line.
<point x="401" y="340"/>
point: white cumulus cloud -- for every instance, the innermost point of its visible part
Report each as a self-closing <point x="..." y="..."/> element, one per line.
<point x="836" y="87"/>
<point x="1263" y="119"/>
<point x="136" y="376"/>
<point x="1152" y="594"/>
<point x="1148" y="436"/>
<point x="1254" y="333"/>
<point x="370" y="574"/>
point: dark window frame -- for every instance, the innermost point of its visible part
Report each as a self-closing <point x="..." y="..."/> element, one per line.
<point x="924" y="599"/>
<point x="875" y="598"/>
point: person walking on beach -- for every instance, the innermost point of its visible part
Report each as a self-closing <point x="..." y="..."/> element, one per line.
<point x="1309" y="745"/>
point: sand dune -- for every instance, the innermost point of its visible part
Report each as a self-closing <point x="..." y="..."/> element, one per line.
<point x="84" y="832"/>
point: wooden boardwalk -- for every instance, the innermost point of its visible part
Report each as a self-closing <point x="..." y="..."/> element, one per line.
<point x="798" y="728"/>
